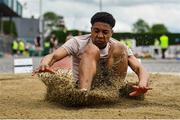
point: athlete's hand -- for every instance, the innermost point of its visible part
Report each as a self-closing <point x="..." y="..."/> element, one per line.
<point x="43" y="68"/>
<point x="139" y="90"/>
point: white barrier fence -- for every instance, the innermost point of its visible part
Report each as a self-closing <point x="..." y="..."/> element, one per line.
<point x="23" y="65"/>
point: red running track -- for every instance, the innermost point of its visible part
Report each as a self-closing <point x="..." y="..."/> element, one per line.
<point x="65" y="63"/>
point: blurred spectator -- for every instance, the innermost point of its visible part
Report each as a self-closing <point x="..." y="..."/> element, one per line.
<point x="122" y="41"/>
<point x="26" y="51"/>
<point x="46" y="47"/>
<point x="79" y="33"/>
<point x="164" y="43"/>
<point x="53" y="43"/>
<point x="156" y="48"/>
<point x="128" y="42"/>
<point x="31" y="50"/>
<point x="37" y="43"/>
<point x="21" y="47"/>
<point x="69" y="36"/>
<point x="14" y="47"/>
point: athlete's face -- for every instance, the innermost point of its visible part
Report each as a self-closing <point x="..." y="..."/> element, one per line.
<point x="100" y="34"/>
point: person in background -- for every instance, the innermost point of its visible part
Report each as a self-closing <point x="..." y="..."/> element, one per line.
<point x="46" y="47"/>
<point x="69" y="36"/>
<point x="21" y="47"/>
<point x="164" y="43"/>
<point x="53" y="43"/>
<point x="14" y="47"/>
<point x="156" y="47"/>
<point x="128" y="42"/>
<point x="26" y="51"/>
<point x="37" y="43"/>
<point x="79" y="33"/>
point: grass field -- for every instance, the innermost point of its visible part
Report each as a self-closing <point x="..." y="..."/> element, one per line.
<point x="22" y="96"/>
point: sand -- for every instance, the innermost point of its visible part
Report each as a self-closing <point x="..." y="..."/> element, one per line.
<point x="23" y="96"/>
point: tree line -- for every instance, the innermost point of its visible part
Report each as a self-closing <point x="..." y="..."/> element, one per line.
<point x="142" y="32"/>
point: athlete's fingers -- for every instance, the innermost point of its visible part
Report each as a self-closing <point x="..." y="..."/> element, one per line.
<point x="134" y="93"/>
<point x="49" y="70"/>
<point x="43" y="68"/>
<point x="35" y="71"/>
<point x="135" y="87"/>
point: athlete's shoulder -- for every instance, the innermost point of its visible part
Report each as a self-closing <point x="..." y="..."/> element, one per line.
<point x="82" y="37"/>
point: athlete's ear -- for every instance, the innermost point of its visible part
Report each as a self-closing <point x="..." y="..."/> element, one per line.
<point x="91" y="28"/>
<point x="112" y="31"/>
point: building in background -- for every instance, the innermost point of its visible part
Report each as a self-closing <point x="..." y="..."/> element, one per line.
<point x="27" y="28"/>
<point x="18" y="28"/>
<point x="10" y="8"/>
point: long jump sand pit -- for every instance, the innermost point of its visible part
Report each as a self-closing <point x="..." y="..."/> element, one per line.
<point x="22" y="96"/>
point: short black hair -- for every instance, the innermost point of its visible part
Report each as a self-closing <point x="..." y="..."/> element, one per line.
<point x="103" y="17"/>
